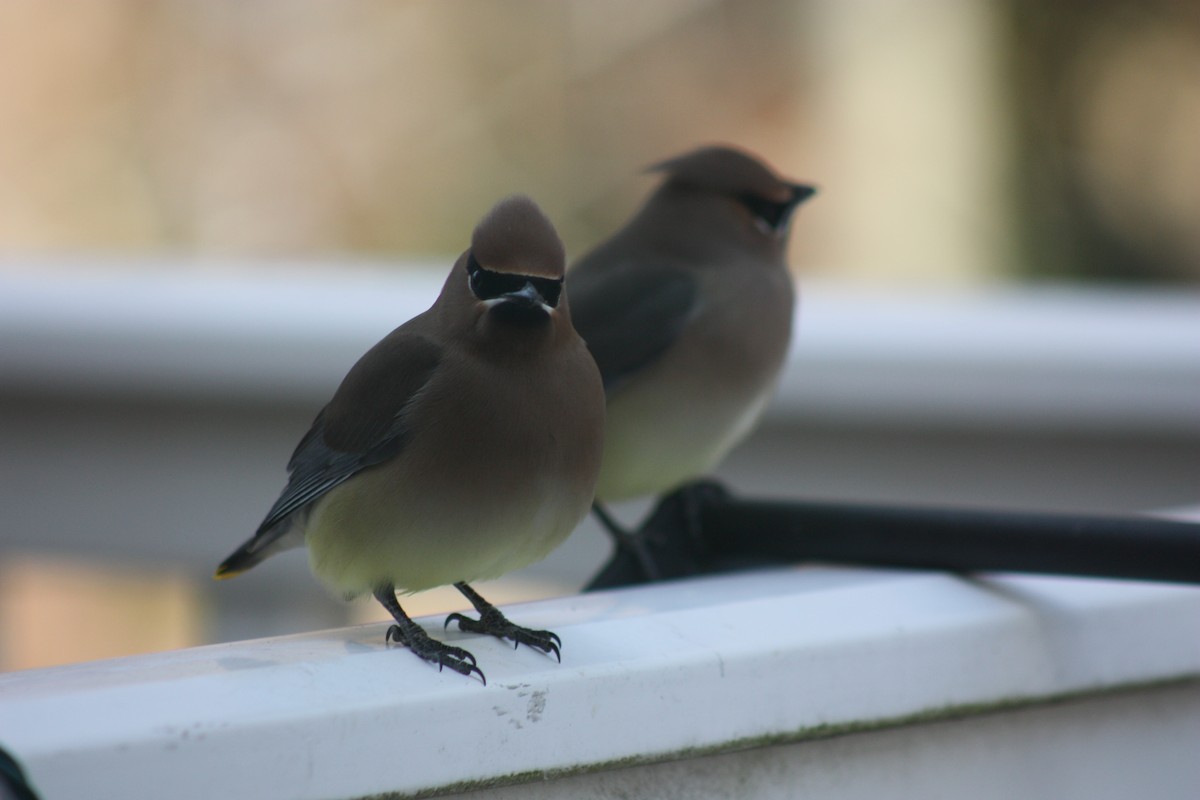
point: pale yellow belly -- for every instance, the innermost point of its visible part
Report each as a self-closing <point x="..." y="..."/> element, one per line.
<point x="676" y="419"/>
<point x="389" y="527"/>
<point x="656" y="440"/>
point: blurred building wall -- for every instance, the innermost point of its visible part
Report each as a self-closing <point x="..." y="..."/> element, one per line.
<point x="952" y="141"/>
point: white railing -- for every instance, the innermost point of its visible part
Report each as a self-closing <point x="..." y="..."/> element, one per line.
<point x="170" y="399"/>
<point x="1051" y="682"/>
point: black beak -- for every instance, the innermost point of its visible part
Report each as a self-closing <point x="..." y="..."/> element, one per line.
<point x="801" y="192"/>
<point x="527" y="296"/>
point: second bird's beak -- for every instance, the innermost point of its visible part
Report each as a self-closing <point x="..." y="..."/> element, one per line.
<point x="801" y="192"/>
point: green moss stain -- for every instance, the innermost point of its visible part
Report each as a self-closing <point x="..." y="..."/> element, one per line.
<point x="824" y="731"/>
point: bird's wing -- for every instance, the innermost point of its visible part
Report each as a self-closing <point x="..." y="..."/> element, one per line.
<point x="363" y="425"/>
<point x="629" y="314"/>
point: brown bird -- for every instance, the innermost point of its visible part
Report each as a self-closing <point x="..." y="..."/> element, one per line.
<point x="688" y="313"/>
<point x="463" y="445"/>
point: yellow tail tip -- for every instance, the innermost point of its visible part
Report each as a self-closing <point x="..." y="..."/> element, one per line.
<point x="225" y="573"/>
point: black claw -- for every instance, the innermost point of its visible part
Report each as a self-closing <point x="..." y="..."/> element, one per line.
<point x="445" y="655"/>
<point x="491" y="621"/>
<point x="395" y="634"/>
<point x="463" y="663"/>
<point x="412" y="636"/>
<point x="494" y="623"/>
<point x="462" y="668"/>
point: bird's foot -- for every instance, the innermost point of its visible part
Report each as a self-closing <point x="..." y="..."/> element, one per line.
<point x="492" y="622"/>
<point x="426" y="647"/>
<point x="414" y="637"/>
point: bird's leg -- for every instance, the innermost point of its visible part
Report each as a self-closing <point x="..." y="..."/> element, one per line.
<point x="632" y="543"/>
<point x="692" y="498"/>
<point x="414" y="637"/>
<point x="493" y="622"/>
<point x="672" y="538"/>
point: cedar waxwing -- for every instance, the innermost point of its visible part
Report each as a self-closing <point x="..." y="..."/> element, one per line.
<point x="463" y="445"/>
<point x="688" y="313"/>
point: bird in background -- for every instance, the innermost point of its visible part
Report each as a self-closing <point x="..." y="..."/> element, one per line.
<point x="688" y="313"/>
<point x="462" y="446"/>
<point x="14" y="784"/>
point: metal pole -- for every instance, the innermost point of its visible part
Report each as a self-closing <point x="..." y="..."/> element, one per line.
<point x="958" y="540"/>
<point x="702" y="529"/>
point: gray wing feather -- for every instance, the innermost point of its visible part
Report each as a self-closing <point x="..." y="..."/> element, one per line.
<point x="363" y="425"/>
<point x="629" y="314"/>
<point x="316" y="468"/>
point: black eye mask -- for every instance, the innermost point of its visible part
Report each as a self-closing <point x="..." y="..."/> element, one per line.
<point x="773" y="215"/>
<point x="488" y="285"/>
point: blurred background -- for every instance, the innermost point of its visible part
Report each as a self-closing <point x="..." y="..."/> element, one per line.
<point x="956" y="144"/>
<point x="953" y="141"/>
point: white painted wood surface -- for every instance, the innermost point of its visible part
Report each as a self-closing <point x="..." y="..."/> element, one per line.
<point x="677" y="670"/>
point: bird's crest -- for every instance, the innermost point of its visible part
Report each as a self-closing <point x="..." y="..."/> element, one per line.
<point x="517" y="238"/>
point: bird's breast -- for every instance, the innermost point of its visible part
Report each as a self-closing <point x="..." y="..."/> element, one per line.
<point x="677" y="418"/>
<point x="495" y="474"/>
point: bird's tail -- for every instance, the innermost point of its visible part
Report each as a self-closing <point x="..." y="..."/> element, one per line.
<point x="242" y="559"/>
<point x="265" y="543"/>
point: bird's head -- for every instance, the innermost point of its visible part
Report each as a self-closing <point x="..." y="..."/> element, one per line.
<point x="515" y="265"/>
<point x="764" y="199"/>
